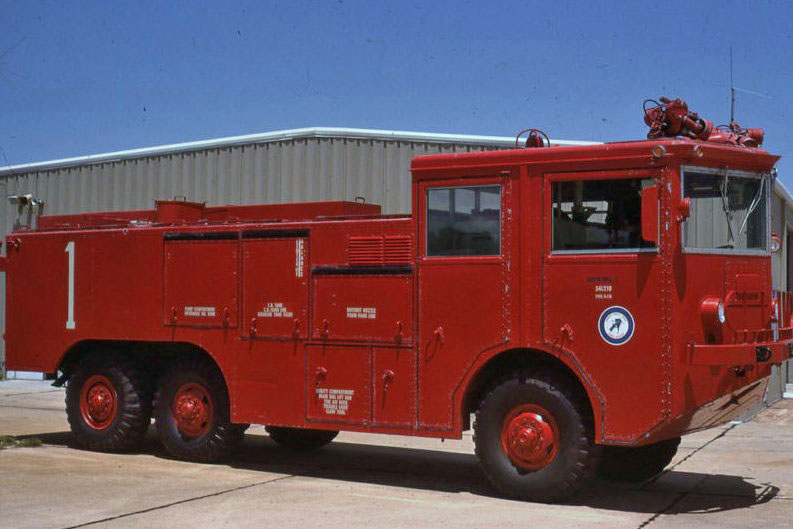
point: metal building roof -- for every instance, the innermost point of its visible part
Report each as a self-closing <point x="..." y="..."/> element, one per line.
<point x="279" y="135"/>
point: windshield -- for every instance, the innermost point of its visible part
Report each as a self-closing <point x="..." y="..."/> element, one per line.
<point x="729" y="210"/>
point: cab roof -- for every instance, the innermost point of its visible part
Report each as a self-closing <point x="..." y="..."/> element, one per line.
<point x="674" y="152"/>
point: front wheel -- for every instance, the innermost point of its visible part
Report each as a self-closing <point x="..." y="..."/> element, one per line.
<point x="637" y="463"/>
<point x="534" y="438"/>
<point x="192" y="412"/>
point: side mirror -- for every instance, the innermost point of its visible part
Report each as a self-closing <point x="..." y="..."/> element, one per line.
<point x="650" y="214"/>
<point x="776" y="243"/>
<point x="684" y="209"/>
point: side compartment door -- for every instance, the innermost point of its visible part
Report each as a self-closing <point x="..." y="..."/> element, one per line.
<point x="274" y="284"/>
<point x="360" y="306"/>
<point x="337" y="383"/>
<point x="360" y="384"/>
<point x="394" y="386"/>
<point x="201" y="279"/>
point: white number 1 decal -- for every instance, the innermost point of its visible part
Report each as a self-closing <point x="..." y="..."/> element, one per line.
<point x="70" y="324"/>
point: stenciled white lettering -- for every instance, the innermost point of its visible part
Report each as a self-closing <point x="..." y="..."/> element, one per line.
<point x="335" y="401"/>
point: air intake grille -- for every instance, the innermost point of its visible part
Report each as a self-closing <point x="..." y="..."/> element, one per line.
<point x="379" y="250"/>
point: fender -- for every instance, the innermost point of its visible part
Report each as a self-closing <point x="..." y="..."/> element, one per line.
<point x="562" y="354"/>
<point x="84" y="346"/>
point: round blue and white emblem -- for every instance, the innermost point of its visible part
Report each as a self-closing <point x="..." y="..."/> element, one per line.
<point x="616" y="325"/>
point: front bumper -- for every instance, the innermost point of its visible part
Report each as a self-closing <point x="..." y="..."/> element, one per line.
<point x="741" y="354"/>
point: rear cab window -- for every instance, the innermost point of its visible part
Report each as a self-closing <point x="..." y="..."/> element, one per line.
<point x="463" y="221"/>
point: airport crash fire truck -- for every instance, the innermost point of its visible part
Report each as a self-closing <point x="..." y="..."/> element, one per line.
<point x="587" y="304"/>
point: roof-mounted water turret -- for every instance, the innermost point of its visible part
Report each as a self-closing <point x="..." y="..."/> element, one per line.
<point x="671" y="118"/>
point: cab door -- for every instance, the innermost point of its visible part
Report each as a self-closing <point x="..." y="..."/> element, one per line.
<point x="464" y="292"/>
<point x="603" y="291"/>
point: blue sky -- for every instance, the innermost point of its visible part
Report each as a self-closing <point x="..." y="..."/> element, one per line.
<point x="89" y="77"/>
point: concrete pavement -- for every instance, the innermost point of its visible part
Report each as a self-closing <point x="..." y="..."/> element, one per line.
<point x="736" y="476"/>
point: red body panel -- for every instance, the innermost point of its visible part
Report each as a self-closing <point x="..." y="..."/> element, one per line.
<point x="201" y="283"/>
<point x="275" y="287"/>
<point x="332" y="316"/>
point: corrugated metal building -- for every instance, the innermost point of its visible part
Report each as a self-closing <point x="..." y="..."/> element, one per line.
<point x="310" y="164"/>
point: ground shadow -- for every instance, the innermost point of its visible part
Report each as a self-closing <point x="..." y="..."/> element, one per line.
<point x="673" y="492"/>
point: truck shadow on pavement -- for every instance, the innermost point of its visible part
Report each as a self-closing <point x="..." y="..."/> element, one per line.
<point x="673" y="492"/>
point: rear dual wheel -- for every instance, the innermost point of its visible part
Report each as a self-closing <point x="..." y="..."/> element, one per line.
<point x="534" y="438"/>
<point x="192" y="412"/>
<point x="108" y="403"/>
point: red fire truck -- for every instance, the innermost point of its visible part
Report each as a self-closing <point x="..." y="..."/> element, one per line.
<point x="588" y="305"/>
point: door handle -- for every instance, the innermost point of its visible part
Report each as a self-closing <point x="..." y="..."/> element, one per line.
<point x="440" y="336"/>
<point x="320" y="375"/>
<point x="388" y="379"/>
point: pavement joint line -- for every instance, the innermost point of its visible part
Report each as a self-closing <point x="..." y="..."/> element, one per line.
<point x="723" y="495"/>
<point x="59" y="410"/>
<point x="666" y="509"/>
<point x="180" y="502"/>
<point x="31" y="393"/>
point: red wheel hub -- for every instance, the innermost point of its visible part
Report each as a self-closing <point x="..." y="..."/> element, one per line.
<point x="529" y="437"/>
<point x="98" y="402"/>
<point x="192" y="408"/>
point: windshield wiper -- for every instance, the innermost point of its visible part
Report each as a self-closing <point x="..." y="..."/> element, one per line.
<point x="755" y="202"/>
<point x="726" y="209"/>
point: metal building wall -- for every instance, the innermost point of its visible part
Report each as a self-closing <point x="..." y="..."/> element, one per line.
<point x="294" y="170"/>
<point x="9" y="185"/>
<point x="776" y="386"/>
<point x="285" y="171"/>
<point x="782" y="271"/>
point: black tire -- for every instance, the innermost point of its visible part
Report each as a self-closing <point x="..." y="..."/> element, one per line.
<point x="637" y="463"/>
<point x="300" y="438"/>
<point x="239" y="431"/>
<point x="108" y="403"/>
<point x="209" y="436"/>
<point x="556" y="469"/>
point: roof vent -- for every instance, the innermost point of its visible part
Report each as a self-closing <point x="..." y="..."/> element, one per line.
<point x="178" y="211"/>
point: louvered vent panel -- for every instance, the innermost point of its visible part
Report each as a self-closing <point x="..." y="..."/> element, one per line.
<point x="379" y="250"/>
<point x="365" y="250"/>
<point x="397" y="249"/>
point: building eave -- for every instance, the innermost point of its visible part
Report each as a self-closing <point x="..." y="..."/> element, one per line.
<point x="268" y="137"/>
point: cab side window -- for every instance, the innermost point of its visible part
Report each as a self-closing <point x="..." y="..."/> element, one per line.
<point x="464" y="221"/>
<point x="598" y="214"/>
